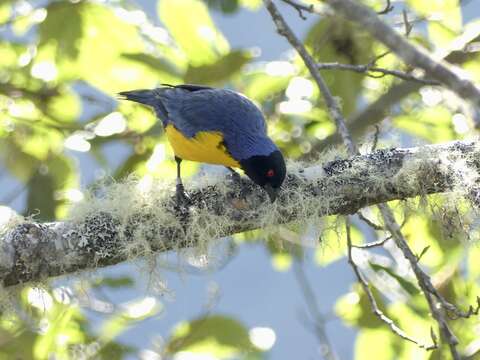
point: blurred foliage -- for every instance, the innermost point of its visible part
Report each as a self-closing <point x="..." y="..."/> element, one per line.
<point x="218" y="336"/>
<point x="64" y="61"/>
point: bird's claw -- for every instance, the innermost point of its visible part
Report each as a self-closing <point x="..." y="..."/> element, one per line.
<point x="236" y="180"/>
<point x="182" y="199"/>
<point x="182" y="206"/>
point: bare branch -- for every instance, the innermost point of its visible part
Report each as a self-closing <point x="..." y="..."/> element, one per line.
<point x="376" y="134"/>
<point x="376" y="111"/>
<point x="373" y="244"/>
<point x="332" y="105"/>
<point x="388" y="7"/>
<point x="369" y="222"/>
<point x="370" y="68"/>
<point x="407" y="23"/>
<point x="300" y="8"/>
<point x="423" y="279"/>
<point x="411" y="54"/>
<point x="373" y="303"/>
<point x="312" y="305"/>
<point x="422" y="59"/>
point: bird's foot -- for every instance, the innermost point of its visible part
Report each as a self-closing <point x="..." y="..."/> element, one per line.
<point x="182" y="207"/>
<point x="236" y="180"/>
<point x="183" y="201"/>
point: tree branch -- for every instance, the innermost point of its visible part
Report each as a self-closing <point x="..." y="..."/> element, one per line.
<point x="453" y="79"/>
<point x="140" y="223"/>
<point x="376" y="111"/>
<point x="387" y="215"/>
<point x="371" y="68"/>
<point x="332" y="105"/>
<point x="371" y="298"/>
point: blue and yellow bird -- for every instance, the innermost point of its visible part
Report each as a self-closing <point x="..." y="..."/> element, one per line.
<point x="216" y="126"/>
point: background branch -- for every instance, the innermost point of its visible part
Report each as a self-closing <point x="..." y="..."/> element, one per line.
<point x="377" y="110"/>
<point x="422" y="59"/>
<point x="371" y="68"/>
<point x="413" y="55"/>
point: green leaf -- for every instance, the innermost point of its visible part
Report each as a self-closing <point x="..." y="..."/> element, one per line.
<point x="445" y="19"/>
<point x="134" y="312"/>
<point x="218" y="336"/>
<point x="333" y="39"/>
<point x="41" y="197"/>
<point x="46" y="191"/>
<point x="5" y="10"/>
<point x="17" y="162"/>
<point x="219" y="71"/>
<point x="355" y="309"/>
<point x="432" y="123"/>
<point x="333" y="245"/>
<point x="282" y="261"/>
<point x="260" y="86"/>
<point x="251" y="4"/>
<point x="192" y="28"/>
<point x="405" y="284"/>
<point x="99" y="61"/>
<point x="162" y="66"/>
<point x="66" y="106"/>
<point x="375" y="344"/>
<point x="9" y="54"/>
<point x="225" y="6"/>
<point x="62" y="325"/>
<point x="63" y="26"/>
<point x="132" y="162"/>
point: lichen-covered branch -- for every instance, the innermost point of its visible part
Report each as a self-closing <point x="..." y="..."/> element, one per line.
<point x="128" y="221"/>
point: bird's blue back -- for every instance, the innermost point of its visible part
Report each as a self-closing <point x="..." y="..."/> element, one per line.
<point x="239" y="121"/>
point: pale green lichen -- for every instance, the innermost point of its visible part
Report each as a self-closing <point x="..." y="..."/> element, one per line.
<point x="136" y="217"/>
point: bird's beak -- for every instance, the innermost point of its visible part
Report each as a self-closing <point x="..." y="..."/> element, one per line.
<point x="271" y="191"/>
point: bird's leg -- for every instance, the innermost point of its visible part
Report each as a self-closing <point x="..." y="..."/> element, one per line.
<point x="182" y="198"/>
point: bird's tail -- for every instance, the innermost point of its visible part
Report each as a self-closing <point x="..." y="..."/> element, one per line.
<point x="146" y="97"/>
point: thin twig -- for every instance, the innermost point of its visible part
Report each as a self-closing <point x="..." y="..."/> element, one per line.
<point x="408" y="24"/>
<point x="312" y="305"/>
<point x="368" y="69"/>
<point x="388" y="7"/>
<point x="369" y="222"/>
<point x="373" y="244"/>
<point x="423" y="280"/>
<point x="300" y="8"/>
<point x="410" y="53"/>
<point x="376" y="111"/>
<point x="332" y="105"/>
<point x="373" y="303"/>
<point x="390" y="223"/>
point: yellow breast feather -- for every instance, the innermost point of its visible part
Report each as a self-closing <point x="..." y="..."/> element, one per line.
<point x="205" y="146"/>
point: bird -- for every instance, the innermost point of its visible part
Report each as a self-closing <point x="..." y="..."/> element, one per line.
<point x="215" y="126"/>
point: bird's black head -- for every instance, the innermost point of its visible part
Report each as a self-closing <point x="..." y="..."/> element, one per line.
<point x="268" y="171"/>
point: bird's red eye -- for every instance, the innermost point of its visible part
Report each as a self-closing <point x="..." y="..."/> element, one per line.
<point x="270" y="173"/>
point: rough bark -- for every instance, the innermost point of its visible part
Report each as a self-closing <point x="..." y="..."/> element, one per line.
<point x="35" y="251"/>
